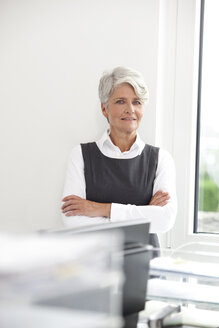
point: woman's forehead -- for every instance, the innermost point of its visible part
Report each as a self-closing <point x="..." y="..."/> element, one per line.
<point x="124" y="90"/>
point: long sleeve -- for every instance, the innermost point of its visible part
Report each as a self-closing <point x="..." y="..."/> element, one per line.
<point x="75" y="180"/>
<point x="162" y="218"/>
<point x="75" y="185"/>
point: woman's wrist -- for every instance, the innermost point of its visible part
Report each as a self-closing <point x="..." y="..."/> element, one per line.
<point x="108" y="210"/>
<point x="105" y="209"/>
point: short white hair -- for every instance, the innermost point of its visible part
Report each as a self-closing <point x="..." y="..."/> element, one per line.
<point x="110" y="80"/>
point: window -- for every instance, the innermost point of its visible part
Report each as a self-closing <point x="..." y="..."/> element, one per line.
<point x="207" y="160"/>
<point x="177" y="96"/>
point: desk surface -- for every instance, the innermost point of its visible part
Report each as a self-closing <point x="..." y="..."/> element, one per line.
<point x="185" y="292"/>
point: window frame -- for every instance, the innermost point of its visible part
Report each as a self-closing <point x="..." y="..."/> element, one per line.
<point x="198" y="127"/>
<point x="184" y="88"/>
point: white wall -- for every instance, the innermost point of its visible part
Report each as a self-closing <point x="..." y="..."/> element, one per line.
<point x="52" y="53"/>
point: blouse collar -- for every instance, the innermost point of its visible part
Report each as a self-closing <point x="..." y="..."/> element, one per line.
<point x="105" y="141"/>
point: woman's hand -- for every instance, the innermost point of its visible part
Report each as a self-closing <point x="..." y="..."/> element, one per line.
<point x="74" y="205"/>
<point x="160" y="198"/>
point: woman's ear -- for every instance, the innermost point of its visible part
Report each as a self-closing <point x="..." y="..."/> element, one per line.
<point x="104" y="111"/>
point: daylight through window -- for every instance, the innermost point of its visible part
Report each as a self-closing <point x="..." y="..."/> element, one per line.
<point x="207" y="174"/>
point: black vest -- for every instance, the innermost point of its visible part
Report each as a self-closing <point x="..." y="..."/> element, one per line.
<point x="123" y="181"/>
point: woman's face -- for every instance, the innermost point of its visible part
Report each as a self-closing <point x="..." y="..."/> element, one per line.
<point x="124" y="111"/>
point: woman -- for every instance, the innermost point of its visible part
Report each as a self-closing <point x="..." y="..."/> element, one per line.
<point x="119" y="177"/>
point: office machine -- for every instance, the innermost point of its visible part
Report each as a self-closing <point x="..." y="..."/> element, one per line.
<point x="136" y="255"/>
<point x="97" y="271"/>
<point x="37" y="271"/>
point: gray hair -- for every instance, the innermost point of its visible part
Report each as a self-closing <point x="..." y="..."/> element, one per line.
<point x="112" y="79"/>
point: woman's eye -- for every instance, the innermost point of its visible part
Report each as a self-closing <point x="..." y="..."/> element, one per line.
<point x="137" y="102"/>
<point x="120" y="101"/>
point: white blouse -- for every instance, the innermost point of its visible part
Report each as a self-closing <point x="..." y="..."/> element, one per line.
<point x="162" y="218"/>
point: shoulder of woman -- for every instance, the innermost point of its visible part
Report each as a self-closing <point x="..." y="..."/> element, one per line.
<point x="75" y="153"/>
<point x="162" y="153"/>
<point x="165" y="158"/>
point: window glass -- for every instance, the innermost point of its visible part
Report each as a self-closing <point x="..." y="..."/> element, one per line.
<point x="207" y="198"/>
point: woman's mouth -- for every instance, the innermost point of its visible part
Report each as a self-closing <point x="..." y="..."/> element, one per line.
<point x="129" y="119"/>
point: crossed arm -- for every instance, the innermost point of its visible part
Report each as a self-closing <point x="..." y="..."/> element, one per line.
<point x="75" y="205"/>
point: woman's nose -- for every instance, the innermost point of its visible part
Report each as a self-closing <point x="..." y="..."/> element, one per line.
<point x="130" y="108"/>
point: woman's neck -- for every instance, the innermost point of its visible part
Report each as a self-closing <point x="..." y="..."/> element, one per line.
<point x="123" y="141"/>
